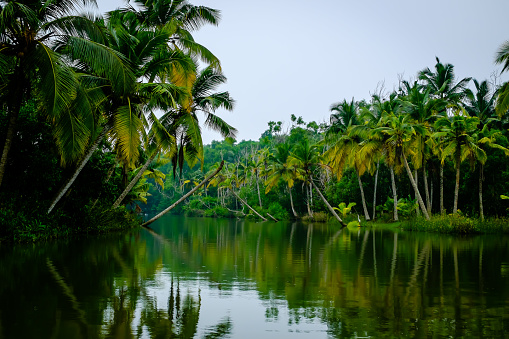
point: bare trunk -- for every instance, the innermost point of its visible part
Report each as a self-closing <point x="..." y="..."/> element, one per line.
<point x="417" y="185"/>
<point x="426" y="191"/>
<point x="457" y="186"/>
<point x="15" y="100"/>
<point x="481" y="179"/>
<point x="134" y="181"/>
<point x="366" y="214"/>
<point x="419" y="199"/>
<point x="394" y="195"/>
<point x="82" y="164"/>
<point x="246" y="204"/>
<point x="310" y="212"/>
<point x="258" y="189"/>
<point x="185" y="196"/>
<point x="291" y="203"/>
<point x="442" y="210"/>
<point x="431" y="194"/>
<point x="327" y="203"/>
<point x="374" y="194"/>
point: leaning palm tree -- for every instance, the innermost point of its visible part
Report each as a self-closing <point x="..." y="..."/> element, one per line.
<point x="344" y="152"/>
<point x="305" y="158"/>
<point x="402" y="133"/>
<point x="31" y="66"/>
<point x="181" y="124"/>
<point x="456" y="135"/>
<point x="156" y="68"/>
<point x="279" y="168"/>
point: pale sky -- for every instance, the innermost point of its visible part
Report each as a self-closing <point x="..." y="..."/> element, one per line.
<point x="284" y="57"/>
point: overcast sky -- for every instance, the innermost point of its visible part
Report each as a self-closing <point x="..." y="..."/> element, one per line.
<point x="284" y="57"/>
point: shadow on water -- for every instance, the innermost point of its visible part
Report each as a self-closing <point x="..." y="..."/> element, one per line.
<point x="210" y="278"/>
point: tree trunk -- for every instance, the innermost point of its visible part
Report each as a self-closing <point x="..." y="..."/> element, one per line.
<point x="258" y="189"/>
<point x="394" y="195"/>
<point x="457" y="186"/>
<point x="327" y="203"/>
<point x="442" y="210"/>
<point x="82" y="164"/>
<point x="366" y="214"/>
<point x="419" y="199"/>
<point x="417" y="185"/>
<point x="15" y="101"/>
<point x="134" y="181"/>
<point x="431" y="194"/>
<point x="374" y="194"/>
<point x="291" y="203"/>
<point x="481" y="178"/>
<point x="426" y="191"/>
<point x="245" y="203"/>
<point x="310" y="212"/>
<point x="185" y="196"/>
<point x="11" y="128"/>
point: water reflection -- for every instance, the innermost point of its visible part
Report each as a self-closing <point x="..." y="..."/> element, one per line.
<point x="207" y="278"/>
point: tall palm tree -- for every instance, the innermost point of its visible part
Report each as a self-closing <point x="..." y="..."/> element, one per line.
<point x="30" y="64"/>
<point x="344" y="114"/>
<point x="402" y="132"/>
<point x="457" y="137"/>
<point x="168" y="129"/>
<point x="345" y="152"/>
<point x="441" y="83"/>
<point x="159" y="68"/>
<point x="305" y="158"/>
<point x="279" y="168"/>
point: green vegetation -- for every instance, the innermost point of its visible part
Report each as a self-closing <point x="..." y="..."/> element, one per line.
<point x="431" y="148"/>
<point x="84" y="150"/>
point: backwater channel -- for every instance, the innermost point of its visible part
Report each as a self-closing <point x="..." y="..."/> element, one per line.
<point x="219" y="278"/>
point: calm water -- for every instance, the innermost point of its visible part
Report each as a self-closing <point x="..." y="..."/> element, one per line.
<point x="207" y="278"/>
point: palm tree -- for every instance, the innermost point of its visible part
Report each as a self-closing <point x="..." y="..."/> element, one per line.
<point x="345" y="151"/>
<point x="280" y="168"/>
<point x="157" y="66"/>
<point x="402" y="133"/>
<point x="457" y="139"/>
<point x="481" y="104"/>
<point x="29" y="36"/>
<point x="305" y="158"/>
<point x="344" y="114"/>
<point x="181" y="123"/>
<point x="441" y="82"/>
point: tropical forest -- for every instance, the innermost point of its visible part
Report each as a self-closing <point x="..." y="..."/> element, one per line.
<point x="104" y="173"/>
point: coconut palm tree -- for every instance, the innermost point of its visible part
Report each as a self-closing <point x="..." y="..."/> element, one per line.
<point x="157" y="66"/>
<point x="305" y="158"/>
<point x="457" y="138"/>
<point x="279" y="168"/>
<point x="441" y="83"/>
<point x="402" y="132"/>
<point x="30" y="66"/>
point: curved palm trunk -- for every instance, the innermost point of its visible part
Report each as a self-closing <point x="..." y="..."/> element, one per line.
<point x="327" y="203"/>
<point x="185" y="196"/>
<point x="134" y="181"/>
<point x="366" y="214"/>
<point x="374" y="193"/>
<point x="291" y="203"/>
<point x="82" y="164"/>
<point x="481" y="178"/>
<point x="414" y="185"/>
<point x="252" y="209"/>
<point x="457" y="185"/>
<point x="442" y="210"/>
<point x="394" y="195"/>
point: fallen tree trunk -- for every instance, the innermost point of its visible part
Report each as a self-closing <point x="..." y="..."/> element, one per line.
<point x="185" y="196"/>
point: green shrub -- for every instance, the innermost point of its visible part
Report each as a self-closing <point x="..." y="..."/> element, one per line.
<point x="277" y="211"/>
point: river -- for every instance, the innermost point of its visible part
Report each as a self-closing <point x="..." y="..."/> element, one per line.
<point x="213" y="278"/>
